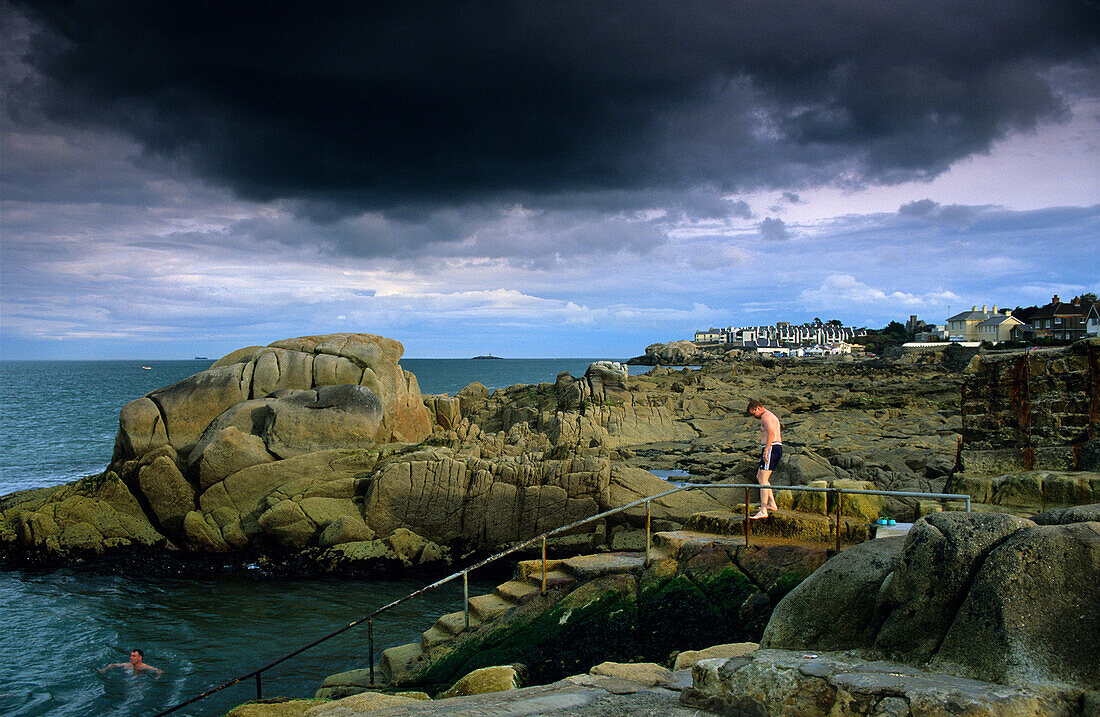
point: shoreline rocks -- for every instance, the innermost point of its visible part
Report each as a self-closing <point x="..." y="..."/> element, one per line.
<point x="214" y="466"/>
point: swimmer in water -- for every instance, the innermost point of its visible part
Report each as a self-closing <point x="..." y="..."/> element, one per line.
<point x="135" y="665"/>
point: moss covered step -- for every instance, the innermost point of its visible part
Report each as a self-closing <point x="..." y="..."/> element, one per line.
<point x="780" y="524"/>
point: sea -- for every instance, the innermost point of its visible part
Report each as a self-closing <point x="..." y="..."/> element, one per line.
<point x="58" y="421"/>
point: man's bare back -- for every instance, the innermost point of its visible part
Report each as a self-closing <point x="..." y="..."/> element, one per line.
<point x="769" y="429"/>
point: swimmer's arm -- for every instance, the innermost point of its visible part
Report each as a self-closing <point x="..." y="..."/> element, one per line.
<point x="103" y="669"/>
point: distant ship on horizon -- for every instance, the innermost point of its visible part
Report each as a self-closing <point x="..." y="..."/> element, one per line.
<point x="201" y="358"/>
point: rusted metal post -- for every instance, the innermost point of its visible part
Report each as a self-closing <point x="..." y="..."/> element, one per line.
<point x="544" y="565"/>
<point x="370" y="646"/>
<point x="647" y="539"/>
<point x="747" y="519"/>
<point x="466" y="598"/>
<point x="839" y="500"/>
<point x="259" y="689"/>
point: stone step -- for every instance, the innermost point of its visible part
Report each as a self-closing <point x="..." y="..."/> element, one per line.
<point x="673" y="542"/>
<point x="526" y="568"/>
<point x="555" y="580"/>
<point x="434" y="636"/>
<point x="516" y="591"/>
<point x="396" y="660"/>
<point x="588" y="567"/>
<point x="455" y="622"/>
<point x="487" y="607"/>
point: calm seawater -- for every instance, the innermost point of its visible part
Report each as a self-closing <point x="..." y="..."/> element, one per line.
<point x="58" y="421"/>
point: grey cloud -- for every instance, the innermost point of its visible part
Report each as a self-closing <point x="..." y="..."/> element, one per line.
<point x="774" y="229"/>
<point x="918" y="208"/>
<point x="347" y="107"/>
<point x="951" y="214"/>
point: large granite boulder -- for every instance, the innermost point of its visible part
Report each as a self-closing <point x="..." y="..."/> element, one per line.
<point x="987" y="596"/>
<point x="933" y="573"/>
<point x="1032" y="614"/>
<point x="835" y="608"/>
<point x="356" y="375"/>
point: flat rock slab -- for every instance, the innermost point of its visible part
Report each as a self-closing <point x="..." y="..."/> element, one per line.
<point x="583" y="696"/>
<point x="843" y="683"/>
<point x="587" y="567"/>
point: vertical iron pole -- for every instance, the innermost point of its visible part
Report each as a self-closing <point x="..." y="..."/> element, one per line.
<point x="259" y="690"/>
<point x="544" y="565"/>
<point x="839" y="500"/>
<point x="370" y="645"/>
<point x="647" y="533"/>
<point x="466" y="597"/>
<point x="748" y="496"/>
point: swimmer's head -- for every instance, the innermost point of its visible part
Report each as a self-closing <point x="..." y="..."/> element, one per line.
<point x="136" y="656"/>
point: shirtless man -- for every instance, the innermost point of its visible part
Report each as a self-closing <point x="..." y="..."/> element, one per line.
<point x="135" y="665"/>
<point x="771" y="450"/>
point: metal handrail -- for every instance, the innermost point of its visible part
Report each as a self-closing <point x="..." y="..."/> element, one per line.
<point x="464" y="573"/>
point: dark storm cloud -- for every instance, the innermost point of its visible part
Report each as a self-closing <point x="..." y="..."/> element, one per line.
<point x="346" y="106"/>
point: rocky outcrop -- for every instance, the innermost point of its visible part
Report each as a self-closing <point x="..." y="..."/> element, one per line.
<point x="86" y="518"/>
<point x="989" y="597"/>
<point x="316" y="442"/>
<point x="302" y="470"/>
<point x="674" y="353"/>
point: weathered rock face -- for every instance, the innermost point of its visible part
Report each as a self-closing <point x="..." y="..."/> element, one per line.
<point x="991" y="597"/>
<point x="782" y="682"/>
<point x="1031" y="410"/>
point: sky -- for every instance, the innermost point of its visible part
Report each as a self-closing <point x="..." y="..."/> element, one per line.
<point x="534" y="179"/>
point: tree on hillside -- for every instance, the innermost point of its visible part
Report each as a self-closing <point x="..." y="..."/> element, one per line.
<point x="877" y="341"/>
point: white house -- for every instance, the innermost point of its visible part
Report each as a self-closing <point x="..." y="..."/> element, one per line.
<point x="1092" y="320"/>
<point x="997" y="328"/>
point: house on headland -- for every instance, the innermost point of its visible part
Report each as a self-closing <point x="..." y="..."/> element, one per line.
<point x="998" y="328"/>
<point x="1060" y="320"/>
<point x="964" y="326"/>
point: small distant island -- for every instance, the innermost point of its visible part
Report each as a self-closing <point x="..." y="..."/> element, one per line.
<point x="490" y="356"/>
